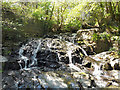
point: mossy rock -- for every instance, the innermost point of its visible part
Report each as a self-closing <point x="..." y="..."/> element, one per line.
<point x="102" y="45"/>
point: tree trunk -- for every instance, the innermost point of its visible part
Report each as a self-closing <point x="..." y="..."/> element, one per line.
<point x="111" y="10"/>
<point x="107" y="9"/>
<point x="52" y="12"/>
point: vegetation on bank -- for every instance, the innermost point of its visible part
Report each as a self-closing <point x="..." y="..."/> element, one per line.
<point x="21" y="20"/>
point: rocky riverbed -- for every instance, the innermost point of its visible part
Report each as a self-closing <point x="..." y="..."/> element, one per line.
<point x="58" y="61"/>
<point x="67" y="77"/>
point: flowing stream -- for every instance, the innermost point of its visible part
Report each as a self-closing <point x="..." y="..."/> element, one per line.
<point x="22" y="58"/>
<point x="32" y="50"/>
<point x="69" y="53"/>
<point x="53" y="46"/>
<point x="35" y="52"/>
<point x="59" y="62"/>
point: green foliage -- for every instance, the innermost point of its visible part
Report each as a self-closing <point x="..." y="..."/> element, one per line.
<point x="102" y="36"/>
<point x="95" y="37"/>
<point x="112" y="49"/>
<point x="118" y="52"/>
<point x="115" y="38"/>
<point x="73" y="25"/>
<point x="61" y="15"/>
<point x="80" y="42"/>
<point x="43" y="12"/>
<point x="10" y="18"/>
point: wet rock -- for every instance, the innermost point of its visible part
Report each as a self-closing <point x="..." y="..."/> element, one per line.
<point x="62" y="53"/>
<point x="88" y="65"/>
<point x="11" y="66"/>
<point x="80" y="85"/>
<point x="93" y="84"/>
<point x="65" y="60"/>
<point x="117" y="66"/>
<point x="107" y="66"/>
<point x="77" y="59"/>
<point x="12" y="73"/>
<point x="88" y="48"/>
<point x="53" y="65"/>
<point x="84" y="38"/>
<point x="54" y="70"/>
<point x="99" y="45"/>
<point x="86" y="33"/>
<point x="9" y="81"/>
<point x="107" y="60"/>
<point x="89" y="62"/>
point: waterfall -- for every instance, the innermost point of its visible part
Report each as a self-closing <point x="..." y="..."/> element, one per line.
<point x="20" y="64"/>
<point x="58" y="56"/>
<point x="74" y="67"/>
<point x="33" y="56"/>
<point x="34" y="60"/>
<point x="23" y="57"/>
<point x="69" y="52"/>
<point x="60" y="37"/>
<point x="85" y="53"/>
<point x="49" y="46"/>
<point x="55" y="54"/>
<point x="73" y="38"/>
<point x="97" y="72"/>
<point x="30" y="50"/>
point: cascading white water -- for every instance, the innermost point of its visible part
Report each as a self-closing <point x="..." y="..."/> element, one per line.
<point x="60" y="37"/>
<point x="34" y="60"/>
<point x="48" y="48"/>
<point x="84" y="51"/>
<point x="33" y="48"/>
<point x="33" y="57"/>
<point x="49" y="45"/>
<point x="20" y="64"/>
<point x="97" y="72"/>
<point x="69" y="52"/>
<point x="58" y="56"/>
<point x="23" y="57"/>
<point x="73" y="38"/>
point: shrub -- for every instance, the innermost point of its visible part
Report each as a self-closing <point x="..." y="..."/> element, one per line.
<point x="101" y="36"/>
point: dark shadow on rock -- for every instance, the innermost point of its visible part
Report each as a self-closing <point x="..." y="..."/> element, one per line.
<point x="11" y="66"/>
<point x="108" y="66"/>
<point x="117" y="66"/>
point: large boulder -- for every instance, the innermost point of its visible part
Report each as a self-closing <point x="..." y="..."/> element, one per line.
<point x="102" y="45"/>
<point x="85" y="38"/>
